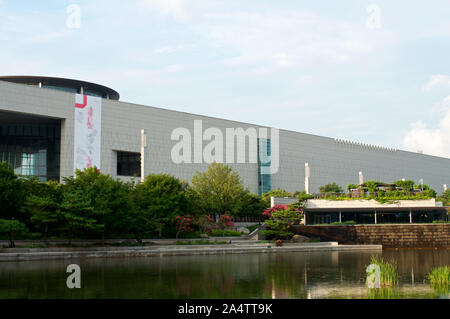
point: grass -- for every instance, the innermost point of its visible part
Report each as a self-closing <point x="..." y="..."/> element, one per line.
<point x="439" y="277"/>
<point x="388" y="271"/>
<point x="383" y="293"/>
<point x="225" y="233"/>
<point x="348" y="222"/>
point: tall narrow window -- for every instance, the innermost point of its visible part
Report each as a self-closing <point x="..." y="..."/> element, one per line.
<point x="264" y="177"/>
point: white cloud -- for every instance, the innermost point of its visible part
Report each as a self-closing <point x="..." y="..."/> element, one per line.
<point x="437" y="80"/>
<point x="433" y="141"/>
<point x="271" y="41"/>
<point x="168" y="49"/>
<point x="175" y="8"/>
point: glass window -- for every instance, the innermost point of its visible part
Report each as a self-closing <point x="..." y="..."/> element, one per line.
<point x="128" y="164"/>
<point x="31" y="150"/>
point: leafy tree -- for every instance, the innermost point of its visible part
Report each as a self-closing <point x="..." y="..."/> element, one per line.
<point x="351" y="186"/>
<point x="281" y="222"/>
<point x="219" y="190"/>
<point x="44" y="209"/>
<point x="206" y="223"/>
<point x="331" y="188"/>
<point x="11" y="192"/>
<point x="11" y="226"/>
<point x="406" y="185"/>
<point x="250" y="204"/>
<point x="445" y="198"/>
<point x="372" y="186"/>
<point x="302" y="196"/>
<point x="76" y="213"/>
<point x="108" y="197"/>
<point x="160" y="199"/>
<point x="427" y="190"/>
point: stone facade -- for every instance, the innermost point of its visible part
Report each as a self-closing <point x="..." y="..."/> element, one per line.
<point x="390" y="236"/>
<point x="330" y="160"/>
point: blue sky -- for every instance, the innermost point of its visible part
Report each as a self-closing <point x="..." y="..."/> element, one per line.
<point x="319" y="67"/>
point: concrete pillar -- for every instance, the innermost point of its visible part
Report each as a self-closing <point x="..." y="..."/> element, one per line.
<point x="307" y="176"/>
<point x="340" y="217"/>
<point x="361" y="178"/>
<point x="143" y="147"/>
<point x="272" y="201"/>
<point x="410" y="216"/>
<point x="445" y="187"/>
<point x="375" y="217"/>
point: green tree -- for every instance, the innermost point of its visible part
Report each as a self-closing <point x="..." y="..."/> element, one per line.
<point x="76" y="213"/>
<point x="279" y="226"/>
<point x="107" y="196"/>
<point x="251" y="204"/>
<point x="11" y="226"/>
<point x="351" y="186"/>
<point x="406" y="185"/>
<point x="331" y="188"/>
<point x="11" y="192"/>
<point x="445" y="198"/>
<point x="43" y="210"/>
<point x="372" y="186"/>
<point x="160" y="199"/>
<point x="219" y="190"/>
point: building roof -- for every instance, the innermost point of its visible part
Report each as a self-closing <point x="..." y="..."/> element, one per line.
<point x="90" y="87"/>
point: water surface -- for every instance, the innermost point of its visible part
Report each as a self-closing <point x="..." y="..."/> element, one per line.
<point x="256" y="275"/>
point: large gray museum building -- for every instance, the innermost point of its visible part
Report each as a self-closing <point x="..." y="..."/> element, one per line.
<point x="51" y="126"/>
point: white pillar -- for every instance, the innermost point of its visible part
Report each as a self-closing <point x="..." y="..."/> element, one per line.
<point x="272" y="201"/>
<point x="307" y="176"/>
<point x="445" y="187"/>
<point x="375" y="217"/>
<point x="361" y="178"/>
<point x="340" y="217"/>
<point x="410" y="216"/>
<point x="143" y="147"/>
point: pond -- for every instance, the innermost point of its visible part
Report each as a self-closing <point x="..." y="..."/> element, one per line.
<point x="279" y="275"/>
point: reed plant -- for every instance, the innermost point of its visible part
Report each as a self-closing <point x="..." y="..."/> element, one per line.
<point x="388" y="271"/>
<point x="440" y="277"/>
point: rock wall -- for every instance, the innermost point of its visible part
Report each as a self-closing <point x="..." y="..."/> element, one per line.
<point x="390" y="236"/>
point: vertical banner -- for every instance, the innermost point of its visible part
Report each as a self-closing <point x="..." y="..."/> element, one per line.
<point x="88" y="125"/>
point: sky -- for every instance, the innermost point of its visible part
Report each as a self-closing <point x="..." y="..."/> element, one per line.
<point x="375" y="72"/>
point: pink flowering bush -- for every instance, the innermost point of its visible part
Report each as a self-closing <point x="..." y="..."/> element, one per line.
<point x="183" y="224"/>
<point x="206" y="223"/>
<point x="225" y="221"/>
<point x="268" y="213"/>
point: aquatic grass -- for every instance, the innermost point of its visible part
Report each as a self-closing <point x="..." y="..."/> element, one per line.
<point x="383" y="293"/>
<point x="439" y="277"/>
<point x="388" y="271"/>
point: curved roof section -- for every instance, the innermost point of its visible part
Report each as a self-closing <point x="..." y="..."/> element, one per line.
<point x="63" y="83"/>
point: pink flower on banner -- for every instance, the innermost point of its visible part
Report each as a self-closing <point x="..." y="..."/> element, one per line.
<point x="90" y="118"/>
<point x="89" y="162"/>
